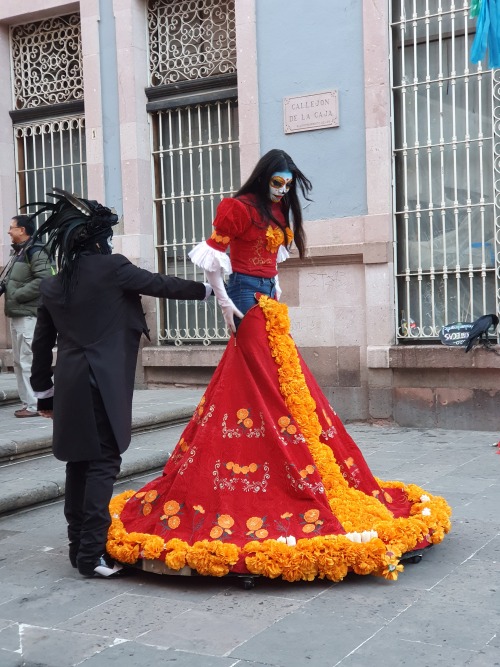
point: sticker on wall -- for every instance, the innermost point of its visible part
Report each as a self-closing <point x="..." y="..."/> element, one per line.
<point x="316" y="111"/>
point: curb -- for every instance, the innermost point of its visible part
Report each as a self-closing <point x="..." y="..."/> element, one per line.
<point x="40" y="444"/>
<point x="46" y="490"/>
<point x="8" y="396"/>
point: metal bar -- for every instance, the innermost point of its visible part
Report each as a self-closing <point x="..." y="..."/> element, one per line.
<point x="230" y="145"/>
<point x="52" y="157"/>
<point x="181" y="305"/>
<point x="406" y="315"/>
<point x="61" y="152"/>
<point x="173" y="220"/>
<point x="71" y="156"/>
<point x="192" y="214"/>
<point x="417" y="166"/>
<point x="495" y="112"/>
<point x="430" y="212"/>
<point x="445" y="235"/>
<point x="194" y="135"/>
<point x="34" y="156"/>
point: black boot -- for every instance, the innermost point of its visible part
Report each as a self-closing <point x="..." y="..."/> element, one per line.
<point x="104" y="566"/>
<point x="73" y="553"/>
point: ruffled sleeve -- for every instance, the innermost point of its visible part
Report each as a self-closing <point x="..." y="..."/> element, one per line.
<point x="209" y="259"/>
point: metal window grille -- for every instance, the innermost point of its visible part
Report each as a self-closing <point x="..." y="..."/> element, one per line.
<point x="190" y="40"/>
<point x="196" y="164"/>
<point x="50" y="153"/>
<point x="446" y="169"/>
<point x="47" y="62"/>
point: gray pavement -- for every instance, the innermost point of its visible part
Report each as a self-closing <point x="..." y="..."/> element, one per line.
<point x="8" y="388"/>
<point x="443" y="611"/>
<point x="29" y="474"/>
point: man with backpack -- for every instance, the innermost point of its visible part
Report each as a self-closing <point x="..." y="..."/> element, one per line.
<point x="28" y="265"/>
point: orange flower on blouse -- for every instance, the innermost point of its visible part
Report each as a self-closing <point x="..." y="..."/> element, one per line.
<point x="275" y="238"/>
<point x="220" y="239"/>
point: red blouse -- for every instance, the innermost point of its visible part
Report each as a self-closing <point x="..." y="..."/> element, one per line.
<point x="253" y="244"/>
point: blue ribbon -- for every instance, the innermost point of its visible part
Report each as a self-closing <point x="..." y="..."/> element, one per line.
<point x="487" y="34"/>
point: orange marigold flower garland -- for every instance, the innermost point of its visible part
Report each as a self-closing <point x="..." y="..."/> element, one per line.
<point x="213" y="558"/>
<point x="354" y="509"/>
<point x="210" y="558"/>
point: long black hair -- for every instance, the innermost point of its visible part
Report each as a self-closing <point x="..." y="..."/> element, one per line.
<point x="258" y="185"/>
<point x="74" y="226"/>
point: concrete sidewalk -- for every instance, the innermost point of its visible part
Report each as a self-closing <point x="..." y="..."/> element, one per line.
<point x="150" y="407"/>
<point x="29" y="474"/>
<point x="8" y="388"/>
<point x="443" y="611"/>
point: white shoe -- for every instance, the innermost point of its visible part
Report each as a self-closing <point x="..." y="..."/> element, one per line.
<point x="104" y="570"/>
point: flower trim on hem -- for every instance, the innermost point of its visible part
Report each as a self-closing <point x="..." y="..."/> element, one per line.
<point x="330" y="556"/>
<point x="206" y="557"/>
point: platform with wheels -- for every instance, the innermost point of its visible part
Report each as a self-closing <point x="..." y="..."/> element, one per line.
<point x="414" y="556"/>
<point x="247" y="581"/>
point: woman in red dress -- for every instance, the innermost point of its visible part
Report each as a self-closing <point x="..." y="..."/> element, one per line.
<point x="265" y="480"/>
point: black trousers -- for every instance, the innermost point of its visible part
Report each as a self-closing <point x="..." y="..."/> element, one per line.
<point x="89" y="487"/>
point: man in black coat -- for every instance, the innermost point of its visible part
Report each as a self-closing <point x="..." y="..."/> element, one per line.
<point x="92" y="308"/>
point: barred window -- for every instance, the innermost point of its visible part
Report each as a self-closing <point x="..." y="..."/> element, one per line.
<point x="196" y="164"/>
<point x="48" y="113"/>
<point x="47" y="62"/>
<point x="446" y="177"/>
<point x="190" y="40"/>
<point x="50" y="153"/>
<point x="194" y="114"/>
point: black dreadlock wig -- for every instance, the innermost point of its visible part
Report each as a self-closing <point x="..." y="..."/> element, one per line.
<point x="258" y="184"/>
<point x="74" y="226"/>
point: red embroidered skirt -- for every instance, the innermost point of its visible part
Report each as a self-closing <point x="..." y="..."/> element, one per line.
<point x="266" y="480"/>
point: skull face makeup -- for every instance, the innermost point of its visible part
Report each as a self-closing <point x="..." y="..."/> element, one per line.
<point x="279" y="184"/>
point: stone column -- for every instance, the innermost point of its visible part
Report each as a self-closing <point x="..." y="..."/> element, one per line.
<point x="248" y="92"/>
<point x="379" y="272"/>
<point x="90" y="17"/>
<point x="8" y="205"/>
<point x="138" y="239"/>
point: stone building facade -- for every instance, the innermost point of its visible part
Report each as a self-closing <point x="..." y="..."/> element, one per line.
<point x="161" y="107"/>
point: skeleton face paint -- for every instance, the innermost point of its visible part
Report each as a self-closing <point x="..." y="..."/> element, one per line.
<point x="279" y="185"/>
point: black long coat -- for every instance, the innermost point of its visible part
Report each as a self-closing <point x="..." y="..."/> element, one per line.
<point x="99" y="329"/>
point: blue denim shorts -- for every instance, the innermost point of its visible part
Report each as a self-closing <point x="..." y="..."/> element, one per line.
<point x="241" y="289"/>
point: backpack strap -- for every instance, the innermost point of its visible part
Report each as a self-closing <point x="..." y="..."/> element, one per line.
<point x="38" y="247"/>
<point x="30" y="250"/>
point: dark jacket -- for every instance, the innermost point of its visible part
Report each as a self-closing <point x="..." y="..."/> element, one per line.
<point x="22" y="286"/>
<point x="98" y="331"/>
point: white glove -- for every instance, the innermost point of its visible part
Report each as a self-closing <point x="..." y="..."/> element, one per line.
<point x="228" y="308"/>
<point x="279" y="291"/>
